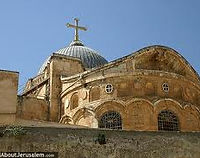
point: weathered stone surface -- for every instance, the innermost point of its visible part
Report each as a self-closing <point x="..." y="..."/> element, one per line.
<point x="77" y="96"/>
<point x="83" y="143"/>
<point x="8" y="96"/>
<point x="32" y="108"/>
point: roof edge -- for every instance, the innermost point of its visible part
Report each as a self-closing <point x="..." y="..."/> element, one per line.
<point x="133" y="54"/>
<point x="10" y="71"/>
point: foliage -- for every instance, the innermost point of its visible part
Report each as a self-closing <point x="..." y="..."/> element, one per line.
<point x="14" y="131"/>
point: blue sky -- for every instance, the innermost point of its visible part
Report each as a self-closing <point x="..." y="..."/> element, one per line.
<point x="31" y="30"/>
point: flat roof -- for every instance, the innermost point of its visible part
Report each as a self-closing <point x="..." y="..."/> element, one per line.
<point x="9" y="71"/>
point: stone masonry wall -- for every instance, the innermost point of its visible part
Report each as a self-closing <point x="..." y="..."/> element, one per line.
<point x="84" y="143"/>
<point x="8" y="96"/>
<point x="31" y="108"/>
<point x="59" y="66"/>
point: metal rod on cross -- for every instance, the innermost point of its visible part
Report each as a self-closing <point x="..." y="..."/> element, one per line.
<point x="76" y="27"/>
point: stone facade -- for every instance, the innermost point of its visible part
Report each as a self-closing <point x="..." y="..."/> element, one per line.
<point x="8" y="96"/>
<point x="138" y="87"/>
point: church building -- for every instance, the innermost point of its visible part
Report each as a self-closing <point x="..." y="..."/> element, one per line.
<point x="152" y="89"/>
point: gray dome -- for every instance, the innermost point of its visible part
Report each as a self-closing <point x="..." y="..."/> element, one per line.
<point x="89" y="57"/>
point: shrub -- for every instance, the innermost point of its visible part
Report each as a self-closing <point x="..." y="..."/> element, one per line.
<point x="14" y="131"/>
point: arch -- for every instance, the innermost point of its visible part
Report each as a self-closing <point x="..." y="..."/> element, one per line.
<point x="168" y="121"/>
<point x="74" y="101"/>
<point x="140" y="114"/>
<point x="166" y="59"/>
<point x="138" y="100"/>
<point x="193" y="107"/>
<point x="85" y="117"/>
<point x="170" y="105"/>
<point x="110" y="106"/>
<point x="65" y="119"/>
<point x="94" y="93"/>
<point x="192" y="118"/>
<point x="165" y="102"/>
<point x="111" y="120"/>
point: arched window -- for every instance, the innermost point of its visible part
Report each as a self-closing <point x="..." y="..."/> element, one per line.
<point x="111" y="120"/>
<point x="167" y="121"/>
<point x="95" y="94"/>
<point x="74" y="101"/>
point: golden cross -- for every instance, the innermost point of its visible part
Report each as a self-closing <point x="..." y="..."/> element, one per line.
<point x="76" y="38"/>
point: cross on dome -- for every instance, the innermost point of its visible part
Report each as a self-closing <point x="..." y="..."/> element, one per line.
<point x="76" y="27"/>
